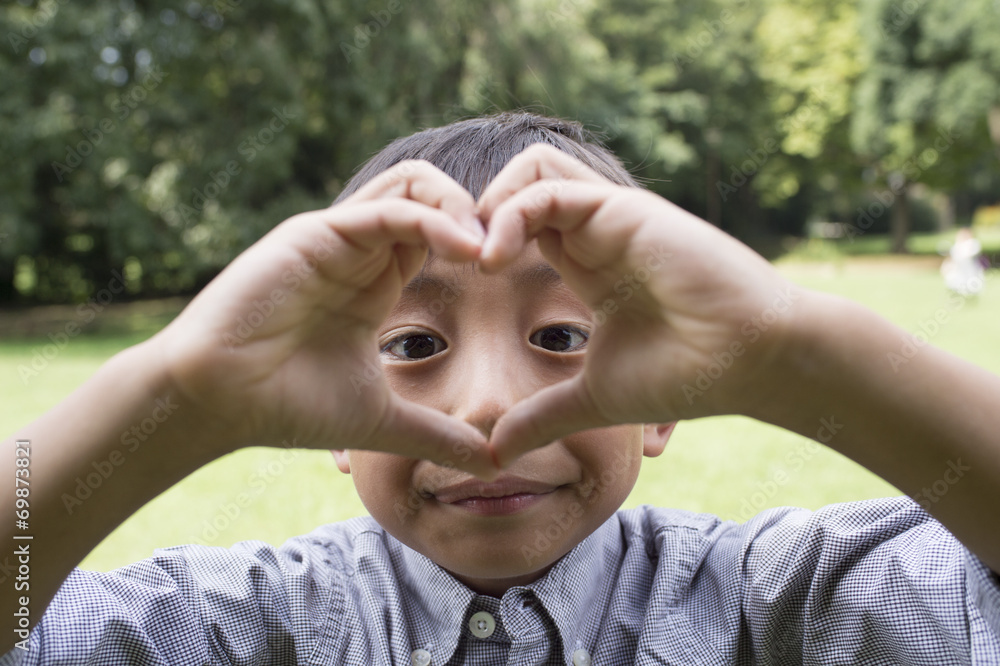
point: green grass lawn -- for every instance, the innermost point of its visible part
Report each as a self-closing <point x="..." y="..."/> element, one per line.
<point x="927" y="244"/>
<point x="729" y="466"/>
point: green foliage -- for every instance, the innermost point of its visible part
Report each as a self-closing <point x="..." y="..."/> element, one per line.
<point x="155" y="141"/>
<point x="932" y="70"/>
<point x="168" y="140"/>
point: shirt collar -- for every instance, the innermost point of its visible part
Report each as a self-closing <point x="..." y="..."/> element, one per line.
<point x="577" y="588"/>
<point x="580" y="581"/>
<point x="431" y="593"/>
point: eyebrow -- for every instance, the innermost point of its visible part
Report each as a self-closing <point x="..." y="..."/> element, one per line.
<point x="538" y="276"/>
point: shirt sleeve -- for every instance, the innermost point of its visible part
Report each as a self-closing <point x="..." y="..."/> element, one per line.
<point x="249" y="604"/>
<point x="877" y="582"/>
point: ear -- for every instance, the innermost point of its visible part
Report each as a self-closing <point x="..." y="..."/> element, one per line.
<point x="343" y="459"/>
<point x="655" y="437"/>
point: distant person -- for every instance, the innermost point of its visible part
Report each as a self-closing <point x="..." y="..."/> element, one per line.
<point x="964" y="267"/>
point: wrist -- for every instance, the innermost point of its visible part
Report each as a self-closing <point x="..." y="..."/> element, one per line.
<point x="164" y="414"/>
<point x="812" y="360"/>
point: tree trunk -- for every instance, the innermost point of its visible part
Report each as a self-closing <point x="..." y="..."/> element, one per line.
<point x="713" y="205"/>
<point x="947" y="219"/>
<point x="7" y="292"/>
<point x="899" y="222"/>
<point x="993" y="122"/>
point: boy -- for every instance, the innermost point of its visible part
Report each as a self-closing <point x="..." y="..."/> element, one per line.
<point x="514" y="396"/>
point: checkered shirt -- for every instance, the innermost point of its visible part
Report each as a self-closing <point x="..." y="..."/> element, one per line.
<point x="874" y="582"/>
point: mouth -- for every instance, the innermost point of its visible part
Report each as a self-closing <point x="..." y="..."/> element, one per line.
<point x="503" y="496"/>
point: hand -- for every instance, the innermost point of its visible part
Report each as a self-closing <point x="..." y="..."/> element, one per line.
<point x="281" y="345"/>
<point x="686" y="317"/>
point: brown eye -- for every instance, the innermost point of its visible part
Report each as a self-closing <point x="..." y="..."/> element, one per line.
<point x="414" y="346"/>
<point x="559" y="338"/>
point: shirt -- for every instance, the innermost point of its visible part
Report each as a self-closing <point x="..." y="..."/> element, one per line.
<point x="873" y="582"/>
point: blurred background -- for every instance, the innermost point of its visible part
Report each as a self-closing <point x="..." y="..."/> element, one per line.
<point x="146" y="144"/>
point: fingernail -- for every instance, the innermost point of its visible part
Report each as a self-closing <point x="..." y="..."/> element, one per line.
<point x="474" y="224"/>
<point x="488" y="246"/>
<point x="494" y="457"/>
<point x="471" y="236"/>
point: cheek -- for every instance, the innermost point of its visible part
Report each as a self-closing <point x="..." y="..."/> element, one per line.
<point x="610" y="458"/>
<point x="382" y="481"/>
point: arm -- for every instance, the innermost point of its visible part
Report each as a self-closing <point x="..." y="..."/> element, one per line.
<point x="320" y="284"/>
<point x="698" y="296"/>
<point x="65" y="444"/>
<point x="929" y="422"/>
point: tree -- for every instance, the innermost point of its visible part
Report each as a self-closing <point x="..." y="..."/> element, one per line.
<point x="931" y="83"/>
<point x="701" y="111"/>
<point x="160" y="142"/>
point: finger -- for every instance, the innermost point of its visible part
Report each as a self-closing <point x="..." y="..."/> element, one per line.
<point x="421" y="181"/>
<point x="417" y="431"/>
<point x="343" y="239"/>
<point x="370" y="224"/>
<point x="554" y="412"/>
<point x="536" y="162"/>
<point x="342" y="242"/>
<point x="564" y="206"/>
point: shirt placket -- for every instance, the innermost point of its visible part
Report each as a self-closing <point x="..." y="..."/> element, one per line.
<point x="484" y="638"/>
<point x="533" y="635"/>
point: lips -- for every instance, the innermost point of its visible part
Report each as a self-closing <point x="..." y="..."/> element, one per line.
<point x="498" y="506"/>
<point x="503" y="487"/>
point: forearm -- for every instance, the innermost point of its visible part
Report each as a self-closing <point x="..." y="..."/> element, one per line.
<point x="928" y="423"/>
<point x="115" y="443"/>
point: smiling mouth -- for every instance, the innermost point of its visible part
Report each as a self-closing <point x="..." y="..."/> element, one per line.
<point x="503" y="496"/>
<point x="499" y="506"/>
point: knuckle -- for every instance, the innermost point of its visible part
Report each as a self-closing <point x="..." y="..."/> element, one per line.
<point x="412" y="167"/>
<point x="301" y="220"/>
<point x="541" y="149"/>
<point x="590" y="405"/>
<point x="534" y="428"/>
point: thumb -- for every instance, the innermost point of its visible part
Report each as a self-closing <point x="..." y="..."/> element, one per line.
<point x="542" y="418"/>
<point x="417" y="431"/>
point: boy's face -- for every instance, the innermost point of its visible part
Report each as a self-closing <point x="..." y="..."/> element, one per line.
<point x="473" y="345"/>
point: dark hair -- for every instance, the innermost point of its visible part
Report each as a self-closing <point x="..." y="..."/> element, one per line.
<point x="474" y="151"/>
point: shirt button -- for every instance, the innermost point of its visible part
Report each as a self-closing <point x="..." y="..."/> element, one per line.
<point x="482" y="624"/>
<point x="581" y="658"/>
<point x="420" y="658"/>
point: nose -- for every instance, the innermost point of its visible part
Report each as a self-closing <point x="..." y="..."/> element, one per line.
<point x="486" y="380"/>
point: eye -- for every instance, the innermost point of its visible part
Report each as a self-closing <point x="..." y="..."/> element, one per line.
<point x="414" y="346"/>
<point x="559" y="338"/>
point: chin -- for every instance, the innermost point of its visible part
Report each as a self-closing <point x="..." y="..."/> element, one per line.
<point x="495" y="577"/>
<point x="509" y="556"/>
<point x="497" y="565"/>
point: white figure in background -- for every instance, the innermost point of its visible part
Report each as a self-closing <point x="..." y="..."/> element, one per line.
<point x="963" y="268"/>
